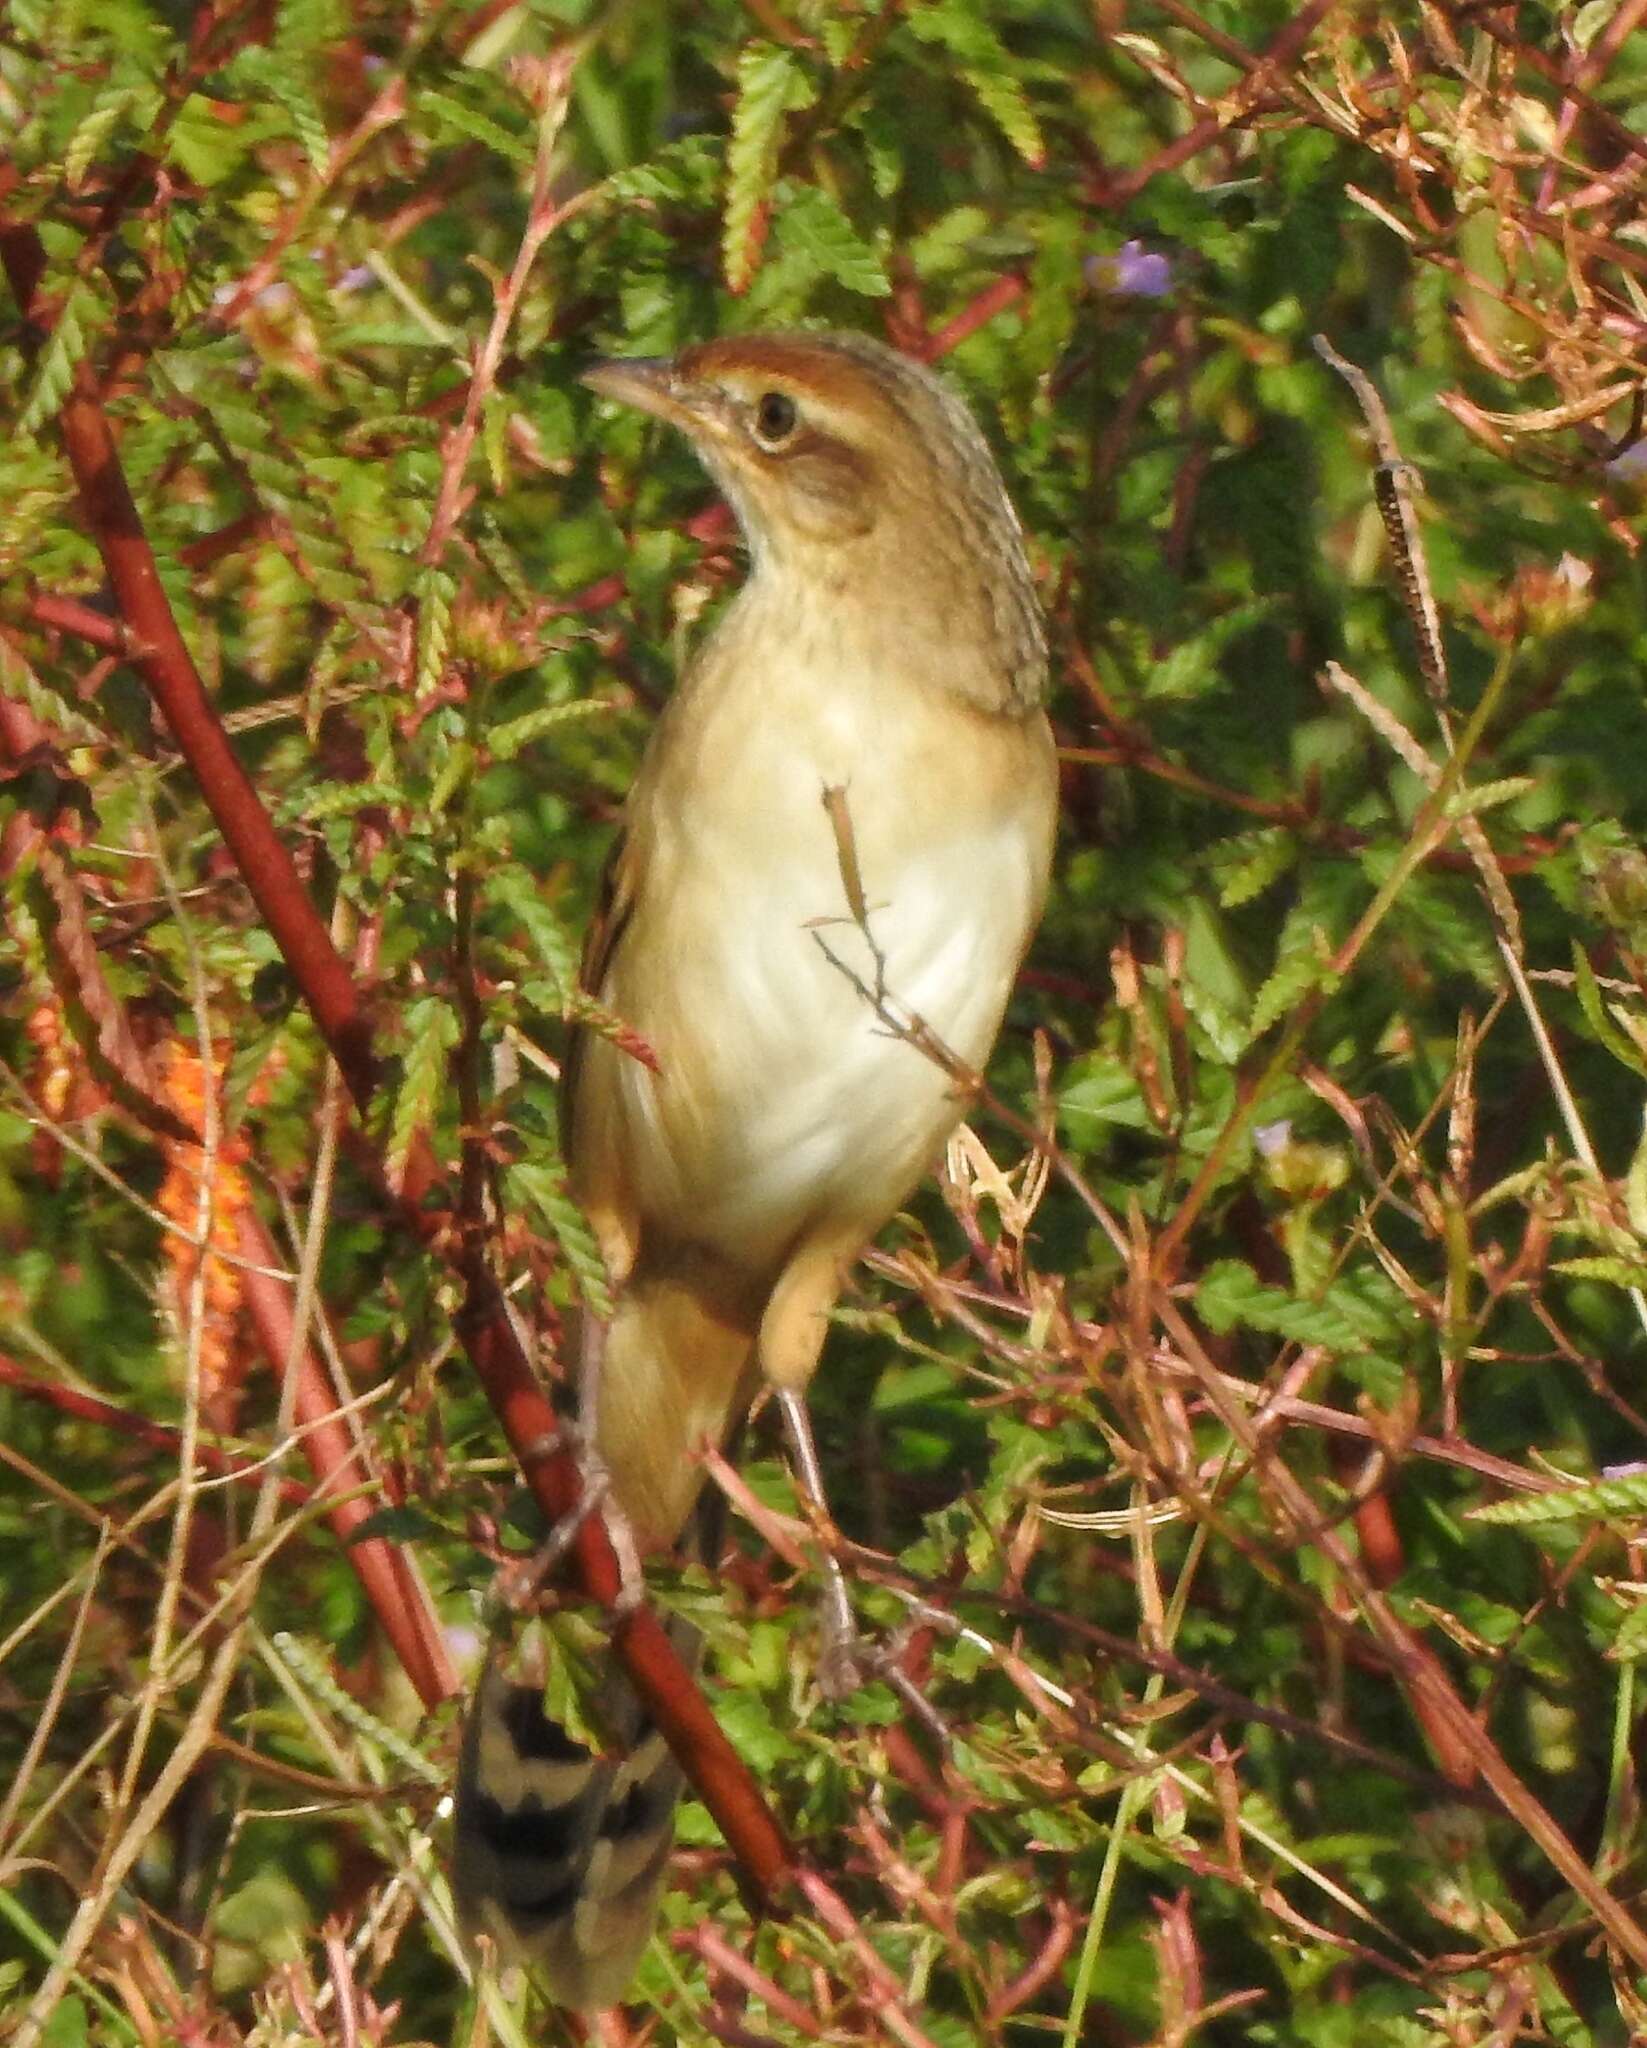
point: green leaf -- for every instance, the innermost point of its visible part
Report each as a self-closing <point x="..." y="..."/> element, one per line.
<point x="1603" y="1500"/>
<point x="431" y="1032"/>
<point x="1192" y="668"/>
<point x="542" y="1185"/>
<point x="505" y="741"/>
<point x="1631" y="1640"/>
<point x="1294" y="976"/>
<point x="771" y="85"/>
<point x="337" y="800"/>
<point x="1620" y="1272"/>
<point x="1230" y="1295"/>
<point x="280" y="78"/>
<point x="435" y="592"/>
<point x="68" y="2025"/>
<point x="683" y="173"/>
<point x="1478" y="797"/>
<point x="53" y="374"/>
<point x="458" y="119"/>
<point x="949" y="242"/>
<point x="814" y="228"/>
<point x="94" y="130"/>
<point x="986" y="66"/>
<point x="521" y="895"/>
<point x="1251" y="862"/>
<point x="1595" y="1015"/>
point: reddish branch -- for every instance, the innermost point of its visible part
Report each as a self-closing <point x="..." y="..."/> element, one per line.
<point x="386" y="1571"/>
<point x="69" y="615"/>
<point x="529" y="1422"/>
<point x="1235" y="107"/>
<point x="995" y="298"/>
<point x="158" y="1436"/>
<point x="388" y="1576"/>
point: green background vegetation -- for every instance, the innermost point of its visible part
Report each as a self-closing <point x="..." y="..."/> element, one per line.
<point x="1343" y="1241"/>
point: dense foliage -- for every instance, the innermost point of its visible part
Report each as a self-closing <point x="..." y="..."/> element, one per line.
<point x="1243" y="1441"/>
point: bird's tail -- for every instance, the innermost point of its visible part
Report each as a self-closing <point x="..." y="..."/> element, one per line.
<point x="559" y="1855"/>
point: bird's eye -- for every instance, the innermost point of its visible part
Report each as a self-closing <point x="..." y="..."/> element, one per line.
<point x="776" y="418"/>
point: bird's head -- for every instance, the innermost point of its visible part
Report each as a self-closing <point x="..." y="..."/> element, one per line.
<point x="851" y="465"/>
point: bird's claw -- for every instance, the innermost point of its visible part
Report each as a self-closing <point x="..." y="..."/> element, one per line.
<point x="848" y="1660"/>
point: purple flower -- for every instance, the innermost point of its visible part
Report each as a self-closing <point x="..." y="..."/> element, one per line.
<point x="1130" y="272"/>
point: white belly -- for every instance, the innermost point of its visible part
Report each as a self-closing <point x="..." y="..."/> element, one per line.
<point x="782" y="1093"/>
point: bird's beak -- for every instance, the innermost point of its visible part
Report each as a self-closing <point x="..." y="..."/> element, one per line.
<point x="649" y="383"/>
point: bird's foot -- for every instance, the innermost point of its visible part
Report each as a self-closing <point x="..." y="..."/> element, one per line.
<point x="520" y="1582"/>
<point x="848" y="1660"/>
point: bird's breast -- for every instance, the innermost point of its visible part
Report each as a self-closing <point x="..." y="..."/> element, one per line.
<point x="834" y="862"/>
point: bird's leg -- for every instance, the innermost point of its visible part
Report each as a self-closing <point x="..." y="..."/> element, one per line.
<point x="848" y="1661"/>
<point x="841" y="1666"/>
<point x="519" y="1583"/>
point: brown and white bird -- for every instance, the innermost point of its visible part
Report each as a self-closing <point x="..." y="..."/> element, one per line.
<point x="845" y="816"/>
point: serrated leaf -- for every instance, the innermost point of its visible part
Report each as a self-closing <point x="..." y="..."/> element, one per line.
<point x="949" y="241"/>
<point x="505" y="741"/>
<point x="494" y="431"/>
<point x="19" y="681"/>
<point x="311" y="1666"/>
<point x="516" y="890"/>
<point x="1191" y="668"/>
<point x="1603" y="1500"/>
<point x="816" y="229"/>
<point x="589" y="1015"/>
<point x="431" y="1032"/>
<point x="1598" y="1266"/>
<point x="985" y="65"/>
<point x="435" y="592"/>
<point x="280" y="78"/>
<point x="54" y="372"/>
<point x="681" y="173"/>
<point x="1230" y="1295"/>
<point x="1228" y="1036"/>
<point x="453" y="114"/>
<point x="1003" y="99"/>
<point x="1486" y="796"/>
<point x="1293" y="977"/>
<point x="336" y="800"/>
<point x="1249" y="863"/>
<point x="883" y="152"/>
<point x="455" y="771"/>
<point x="93" y="131"/>
<point x="771" y="85"/>
<point x="1595" y="1014"/>
<point x="1631" y="1639"/>
<point x="543" y="1186"/>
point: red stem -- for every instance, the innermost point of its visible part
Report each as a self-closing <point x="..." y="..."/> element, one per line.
<point x="327" y="986"/>
<point x="1005" y="291"/>
<point x="69" y="615"/>
<point x="397" y="1594"/>
<point x="167" y="667"/>
<point x="158" y="1436"/>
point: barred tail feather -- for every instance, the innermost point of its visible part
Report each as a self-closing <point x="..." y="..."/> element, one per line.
<point x="560" y="1855"/>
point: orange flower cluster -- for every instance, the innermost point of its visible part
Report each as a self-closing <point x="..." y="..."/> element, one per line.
<point x="54" y="1074"/>
<point x="180" y="1081"/>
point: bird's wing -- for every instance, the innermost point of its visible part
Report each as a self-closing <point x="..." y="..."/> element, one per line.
<point x="614" y="906"/>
